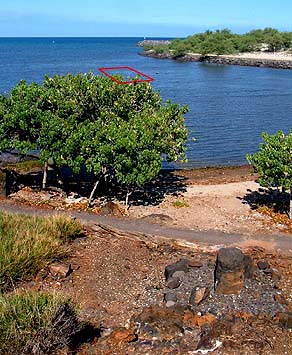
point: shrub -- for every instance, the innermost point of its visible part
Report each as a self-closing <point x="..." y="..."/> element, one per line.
<point x="35" y="324"/>
<point x="28" y="244"/>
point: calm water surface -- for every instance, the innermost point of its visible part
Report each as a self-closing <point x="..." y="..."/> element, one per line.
<point x="229" y="106"/>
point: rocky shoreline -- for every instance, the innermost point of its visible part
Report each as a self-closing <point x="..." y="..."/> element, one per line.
<point x="265" y="62"/>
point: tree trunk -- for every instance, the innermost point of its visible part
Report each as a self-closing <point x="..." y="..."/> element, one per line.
<point x="45" y="175"/>
<point x="92" y="192"/>
<point x="290" y="211"/>
<point x="129" y="193"/>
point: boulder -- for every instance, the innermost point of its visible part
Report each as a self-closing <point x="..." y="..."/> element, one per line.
<point x="60" y="270"/>
<point x="229" y="271"/>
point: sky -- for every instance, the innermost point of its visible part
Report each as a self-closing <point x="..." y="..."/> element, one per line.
<point x="138" y="18"/>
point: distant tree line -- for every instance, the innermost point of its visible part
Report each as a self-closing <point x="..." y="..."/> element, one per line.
<point x="226" y="42"/>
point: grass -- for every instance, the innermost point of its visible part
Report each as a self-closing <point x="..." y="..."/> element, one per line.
<point x="180" y="204"/>
<point x="35" y="324"/>
<point x="28" y="244"/>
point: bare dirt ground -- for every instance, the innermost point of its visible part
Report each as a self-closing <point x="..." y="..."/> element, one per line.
<point x="118" y="278"/>
<point x="213" y="199"/>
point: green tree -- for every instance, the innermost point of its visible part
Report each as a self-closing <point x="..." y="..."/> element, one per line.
<point x="273" y="162"/>
<point x="87" y="120"/>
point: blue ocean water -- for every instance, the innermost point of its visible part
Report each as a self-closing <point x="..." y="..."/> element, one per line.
<point x="229" y="106"/>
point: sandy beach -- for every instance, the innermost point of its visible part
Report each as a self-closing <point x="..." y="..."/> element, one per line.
<point x="261" y="56"/>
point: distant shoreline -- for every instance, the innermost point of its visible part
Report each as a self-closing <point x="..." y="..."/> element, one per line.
<point x="278" y="60"/>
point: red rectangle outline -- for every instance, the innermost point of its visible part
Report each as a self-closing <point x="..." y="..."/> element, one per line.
<point x="104" y="71"/>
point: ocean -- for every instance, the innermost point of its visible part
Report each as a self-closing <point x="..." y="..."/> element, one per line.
<point x="229" y="106"/>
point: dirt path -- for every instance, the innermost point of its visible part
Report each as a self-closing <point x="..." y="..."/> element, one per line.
<point x="210" y="238"/>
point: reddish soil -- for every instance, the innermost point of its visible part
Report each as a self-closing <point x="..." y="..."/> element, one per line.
<point x="115" y="275"/>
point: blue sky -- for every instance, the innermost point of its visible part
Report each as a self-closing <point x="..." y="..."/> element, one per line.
<point x="169" y="18"/>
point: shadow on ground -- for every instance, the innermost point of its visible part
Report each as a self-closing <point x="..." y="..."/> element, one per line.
<point x="271" y="198"/>
<point x="167" y="183"/>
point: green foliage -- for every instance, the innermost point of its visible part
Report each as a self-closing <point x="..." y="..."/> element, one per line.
<point x="273" y="161"/>
<point x="226" y="42"/>
<point x="28" y="244"/>
<point x="33" y="323"/>
<point x="90" y="121"/>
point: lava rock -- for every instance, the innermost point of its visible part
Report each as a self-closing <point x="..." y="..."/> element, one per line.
<point x="285" y="319"/>
<point x="249" y="268"/>
<point x="229" y="271"/>
<point x="159" y="322"/>
<point x="181" y="265"/>
<point x="170" y="296"/>
<point x="173" y="283"/>
<point x="122" y="335"/>
<point x="198" y="295"/>
<point x="263" y="265"/>
<point x="195" y="264"/>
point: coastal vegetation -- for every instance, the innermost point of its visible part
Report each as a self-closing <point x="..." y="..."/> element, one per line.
<point x="273" y="162"/>
<point x="29" y="244"/>
<point x="117" y="132"/>
<point x="225" y="42"/>
<point x="35" y="323"/>
<point x="32" y="322"/>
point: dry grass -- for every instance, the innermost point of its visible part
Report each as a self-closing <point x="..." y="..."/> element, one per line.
<point x="35" y="324"/>
<point x="28" y="244"/>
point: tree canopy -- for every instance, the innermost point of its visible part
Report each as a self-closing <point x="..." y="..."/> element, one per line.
<point x="273" y="161"/>
<point x="90" y="121"/>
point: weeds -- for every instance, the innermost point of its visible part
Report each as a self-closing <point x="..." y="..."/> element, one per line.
<point x="180" y="204"/>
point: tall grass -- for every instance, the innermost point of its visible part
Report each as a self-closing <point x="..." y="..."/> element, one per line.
<point x="28" y="244"/>
<point x="35" y="324"/>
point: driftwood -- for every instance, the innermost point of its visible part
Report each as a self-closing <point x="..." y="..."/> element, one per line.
<point x="150" y="240"/>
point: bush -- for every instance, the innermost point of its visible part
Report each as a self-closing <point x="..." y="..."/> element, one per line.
<point x="226" y="42"/>
<point x="27" y="244"/>
<point x="90" y="121"/>
<point x="35" y="324"/>
<point x="273" y="162"/>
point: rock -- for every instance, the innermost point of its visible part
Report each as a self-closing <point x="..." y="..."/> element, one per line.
<point x="229" y="271"/>
<point x="173" y="283"/>
<point x="170" y="296"/>
<point x="249" y="268"/>
<point x="208" y="318"/>
<point x="42" y="274"/>
<point x="169" y="304"/>
<point x="122" y="335"/>
<point x="280" y="299"/>
<point x="285" y="319"/>
<point x="198" y="295"/>
<point x="160" y="323"/>
<point x="273" y="273"/>
<point x="263" y="265"/>
<point x="181" y="265"/>
<point x="60" y="269"/>
<point x="190" y="319"/>
<point x="157" y="218"/>
<point x="195" y="264"/>
<point x="178" y="274"/>
<point x="111" y="209"/>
